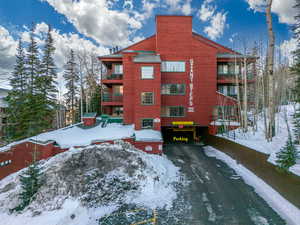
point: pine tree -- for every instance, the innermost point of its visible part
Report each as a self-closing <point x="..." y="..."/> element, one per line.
<point x="287" y="156"/>
<point x="95" y="100"/>
<point x="16" y="96"/>
<point x="33" y="102"/>
<point x="30" y="184"/>
<point x="48" y="70"/>
<point x="72" y="78"/>
<point x="47" y="85"/>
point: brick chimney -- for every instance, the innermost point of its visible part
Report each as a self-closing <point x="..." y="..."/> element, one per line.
<point x="174" y="34"/>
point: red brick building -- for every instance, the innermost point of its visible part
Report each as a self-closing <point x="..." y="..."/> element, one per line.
<point x="171" y="80"/>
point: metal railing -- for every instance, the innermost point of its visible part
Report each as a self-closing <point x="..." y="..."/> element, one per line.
<point x="231" y="76"/>
<point x="107" y="97"/>
<point x="112" y="76"/>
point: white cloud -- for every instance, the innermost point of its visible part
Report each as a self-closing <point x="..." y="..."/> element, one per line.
<point x="128" y="4"/>
<point x="97" y="20"/>
<point x="181" y="6"/>
<point x="287" y="48"/>
<point x="282" y="8"/>
<point x="217" y="20"/>
<point x="217" y="26"/>
<point x="206" y="11"/>
<point x="63" y="44"/>
<point x="7" y="52"/>
<point x="187" y="8"/>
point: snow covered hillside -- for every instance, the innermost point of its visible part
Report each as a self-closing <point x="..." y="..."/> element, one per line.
<point x="82" y="185"/>
<point x="256" y="140"/>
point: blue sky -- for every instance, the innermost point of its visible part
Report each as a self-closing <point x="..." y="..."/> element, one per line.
<point x="95" y="25"/>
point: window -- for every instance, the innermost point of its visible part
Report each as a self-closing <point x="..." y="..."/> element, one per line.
<point x="147" y="123"/>
<point x="173" y="89"/>
<point x="147" y="98"/>
<point x="147" y="72"/>
<point x="173" y="111"/>
<point x="232" y="90"/>
<point x="173" y="66"/>
<point x="118" y="69"/>
<point x="222" y="69"/>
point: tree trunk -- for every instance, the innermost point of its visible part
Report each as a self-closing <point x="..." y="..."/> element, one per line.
<point x="270" y="66"/>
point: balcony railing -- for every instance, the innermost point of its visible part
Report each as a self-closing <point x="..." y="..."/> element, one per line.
<point x="107" y="97"/>
<point x="112" y="76"/>
<point x="231" y="76"/>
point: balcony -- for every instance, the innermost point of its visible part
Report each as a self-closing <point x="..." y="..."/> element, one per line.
<point x="112" y="99"/>
<point x="231" y="78"/>
<point x="112" y="78"/>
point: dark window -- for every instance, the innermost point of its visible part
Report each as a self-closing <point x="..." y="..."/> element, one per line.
<point x="173" y="89"/>
<point x="147" y="123"/>
<point x="173" y="111"/>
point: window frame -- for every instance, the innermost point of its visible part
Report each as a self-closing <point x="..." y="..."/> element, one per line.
<point x="147" y="127"/>
<point x="114" y="70"/>
<point x="152" y="98"/>
<point x="184" y="93"/>
<point x="175" y="106"/>
<point x="165" y="71"/>
<point x="141" y="70"/>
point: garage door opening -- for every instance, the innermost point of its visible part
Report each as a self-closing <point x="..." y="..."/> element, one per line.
<point x="185" y="135"/>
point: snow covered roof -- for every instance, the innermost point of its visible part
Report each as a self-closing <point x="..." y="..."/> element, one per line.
<point x="147" y="58"/>
<point x="229" y="55"/>
<point x="76" y="136"/>
<point x="90" y="115"/>
<point x="147" y="135"/>
<point x="3" y="103"/>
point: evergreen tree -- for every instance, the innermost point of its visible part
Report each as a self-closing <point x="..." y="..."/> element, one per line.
<point x="16" y="96"/>
<point x="287" y="156"/>
<point x="34" y="102"/>
<point x="30" y="184"/>
<point x="95" y="100"/>
<point x="48" y="70"/>
<point x="72" y="78"/>
<point x="32" y="64"/>
<point x="47" y="85"/>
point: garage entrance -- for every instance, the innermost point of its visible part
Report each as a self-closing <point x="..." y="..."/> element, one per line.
<point x="186" y="135"/>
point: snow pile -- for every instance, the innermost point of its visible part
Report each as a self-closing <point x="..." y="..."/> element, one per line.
<point x="147" y="135"/>
<point x="283" y="207"/>
<point x="256" y="140"/>
<point x="82" y="185"/>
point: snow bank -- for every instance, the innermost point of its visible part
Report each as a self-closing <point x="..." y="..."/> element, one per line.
<point x="283" y="207"/>
<point x="148" y="135"/>
<point x="256" y="140"/>
<point x="92" y="182"/>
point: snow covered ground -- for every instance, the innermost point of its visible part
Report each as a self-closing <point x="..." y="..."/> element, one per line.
<point x="256" y="140"/>
<point x="283" y="207"/>
<point x="76" y="136"/>
<point x="83" y="185"/>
